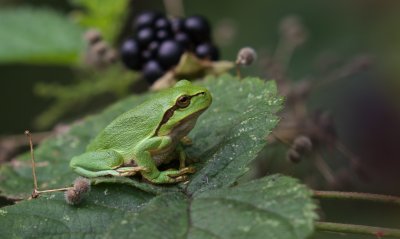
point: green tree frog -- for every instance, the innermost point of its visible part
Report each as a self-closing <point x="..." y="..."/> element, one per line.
<point x="145" y="137"/>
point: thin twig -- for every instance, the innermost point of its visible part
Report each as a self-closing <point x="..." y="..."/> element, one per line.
<point x="35" y="186"/>
<point x="357" y="196"/>
<point x="54" y="190"/>
<point x="238" y="74"/>
<point x="357" y="229"/>
<point x="346" y="152"/>
<point x="324" y="169"/>
<point x="36" y="191"/>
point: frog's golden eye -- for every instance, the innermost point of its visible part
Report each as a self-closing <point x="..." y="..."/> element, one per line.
<point x="183" y="101"/>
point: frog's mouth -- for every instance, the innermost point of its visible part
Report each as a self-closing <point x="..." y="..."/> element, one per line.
<point x="194" y="115"/>
<point x="185" y="125"/>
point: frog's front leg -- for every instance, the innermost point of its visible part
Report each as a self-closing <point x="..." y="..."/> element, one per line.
<point x="143" y="158"/>
<point x="181" y="156"/>
<point x="101" y="163"/>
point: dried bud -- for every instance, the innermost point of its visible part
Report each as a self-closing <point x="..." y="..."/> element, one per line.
<point x="111" y="56"/>
<point x="293" y="156"/>
<point x="72" y="197"/>
<point x="100" y="48"/>
<point x="82" y="185"/>
<point x="302" y="144"/>
<point x="92" y="36"/>
<point x="246" y="56"/>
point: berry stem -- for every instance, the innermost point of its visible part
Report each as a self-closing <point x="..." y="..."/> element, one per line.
<point x="357" y="229"/>
<point x="55" y="190"/>
<point x="324" y="168"/>
<point x="357" y="196"/>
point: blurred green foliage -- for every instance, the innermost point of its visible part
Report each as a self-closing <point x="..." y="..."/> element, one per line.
<point x="114" y="82"/>
<point x="38" y="36"/>
<point x="106" y="16"/>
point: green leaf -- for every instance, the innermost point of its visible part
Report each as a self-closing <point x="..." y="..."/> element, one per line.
<point x="51" y="217"/>
<point x="233" y="131"/>
<point x="106" y="16"/>
<point x="166" y="216"/>
<point x="42" y="36"/>
<point x="54" y="154"/>
<point x="274" y="207"/>
<point x="227" y="137"/>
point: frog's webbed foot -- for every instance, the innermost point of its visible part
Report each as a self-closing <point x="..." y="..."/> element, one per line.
<point x="173" y="176"/>
<point x="130" y="171"/>
<point x="183" y="178"/>
<point x="183" y="172"/>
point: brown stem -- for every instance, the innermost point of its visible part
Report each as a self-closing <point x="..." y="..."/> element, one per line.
<point x="324" y="169"/>
<point x="357" y="196"/>
<point x="35" y="186"/>
<point x="357" y="229"/>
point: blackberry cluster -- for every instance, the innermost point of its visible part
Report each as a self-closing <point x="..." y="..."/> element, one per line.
<point x="159" y="42"/>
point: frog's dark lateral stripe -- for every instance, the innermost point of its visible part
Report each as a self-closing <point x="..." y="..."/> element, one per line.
<point x="170" y="112"/>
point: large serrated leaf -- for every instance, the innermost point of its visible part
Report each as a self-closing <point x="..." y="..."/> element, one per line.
<point x="232" y="132"/>
<point x="51" y="217"/>
<point x="274" y="207"/>
<point x="29" y="35"/>
<point x="226" y="138"/>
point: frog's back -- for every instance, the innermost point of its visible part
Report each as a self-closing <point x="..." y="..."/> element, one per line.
<point x="127" y="130"/>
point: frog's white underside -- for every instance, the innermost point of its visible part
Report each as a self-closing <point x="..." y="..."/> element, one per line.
<point x="165" y="155"/>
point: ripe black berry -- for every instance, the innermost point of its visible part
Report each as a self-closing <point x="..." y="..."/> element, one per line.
<point x="169" y="53"/>
<point x="145" y="36"/>
<point x="152" y="71"/>
<point x="183" y="39"/>
<point x="163" y="23"/>
<point x="162" y="35"/>
<point x="198" y="28"/>
<point x="146" y="55"/>
<point x="207" y="51"/>
<point x="130" y="54"/>
<point x="153" y="47"/>
<point x="159" y="43"/>
<point x="146" y="19"/>
<point x="177" y="24"/>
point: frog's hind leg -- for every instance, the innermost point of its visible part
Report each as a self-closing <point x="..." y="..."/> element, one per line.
<point x="101" y="163"/>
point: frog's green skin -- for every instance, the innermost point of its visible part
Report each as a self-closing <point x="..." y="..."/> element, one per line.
<point x="143" y="138"/>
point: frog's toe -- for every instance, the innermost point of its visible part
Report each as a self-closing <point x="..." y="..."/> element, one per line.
<point x="187" y="170"/>
<point x="182" y="172"/>
<point x="182" y="178"/>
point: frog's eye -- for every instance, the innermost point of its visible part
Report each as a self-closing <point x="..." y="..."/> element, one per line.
<point x="183" y="101"/>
